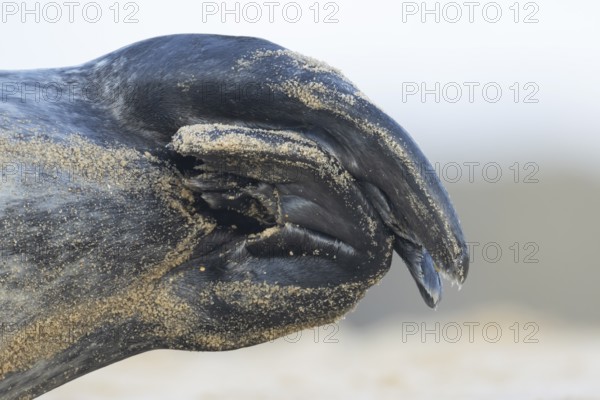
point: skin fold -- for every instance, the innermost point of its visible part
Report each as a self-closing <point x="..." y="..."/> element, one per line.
<point x="199" y="192"/>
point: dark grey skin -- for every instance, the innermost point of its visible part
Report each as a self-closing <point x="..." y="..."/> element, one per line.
<point x="199" y="192"/>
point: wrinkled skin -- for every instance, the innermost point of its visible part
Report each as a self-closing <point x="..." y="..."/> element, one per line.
<point x="199" y="192"/>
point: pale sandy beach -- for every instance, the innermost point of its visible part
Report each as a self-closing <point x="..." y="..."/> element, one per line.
<point x="550" y="360"/>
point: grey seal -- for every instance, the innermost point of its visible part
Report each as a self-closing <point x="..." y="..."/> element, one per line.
<point x="199" y="192"/>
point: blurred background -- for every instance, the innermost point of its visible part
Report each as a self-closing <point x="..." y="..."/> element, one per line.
<point x="503" y="99"/>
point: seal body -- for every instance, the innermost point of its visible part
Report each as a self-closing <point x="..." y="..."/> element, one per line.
<point x="198" y="192"/>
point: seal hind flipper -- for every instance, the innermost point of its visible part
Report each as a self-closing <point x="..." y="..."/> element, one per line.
<point x="282" y="233"/>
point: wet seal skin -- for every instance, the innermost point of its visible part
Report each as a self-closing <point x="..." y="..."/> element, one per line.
<point x="209" y="193"/>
